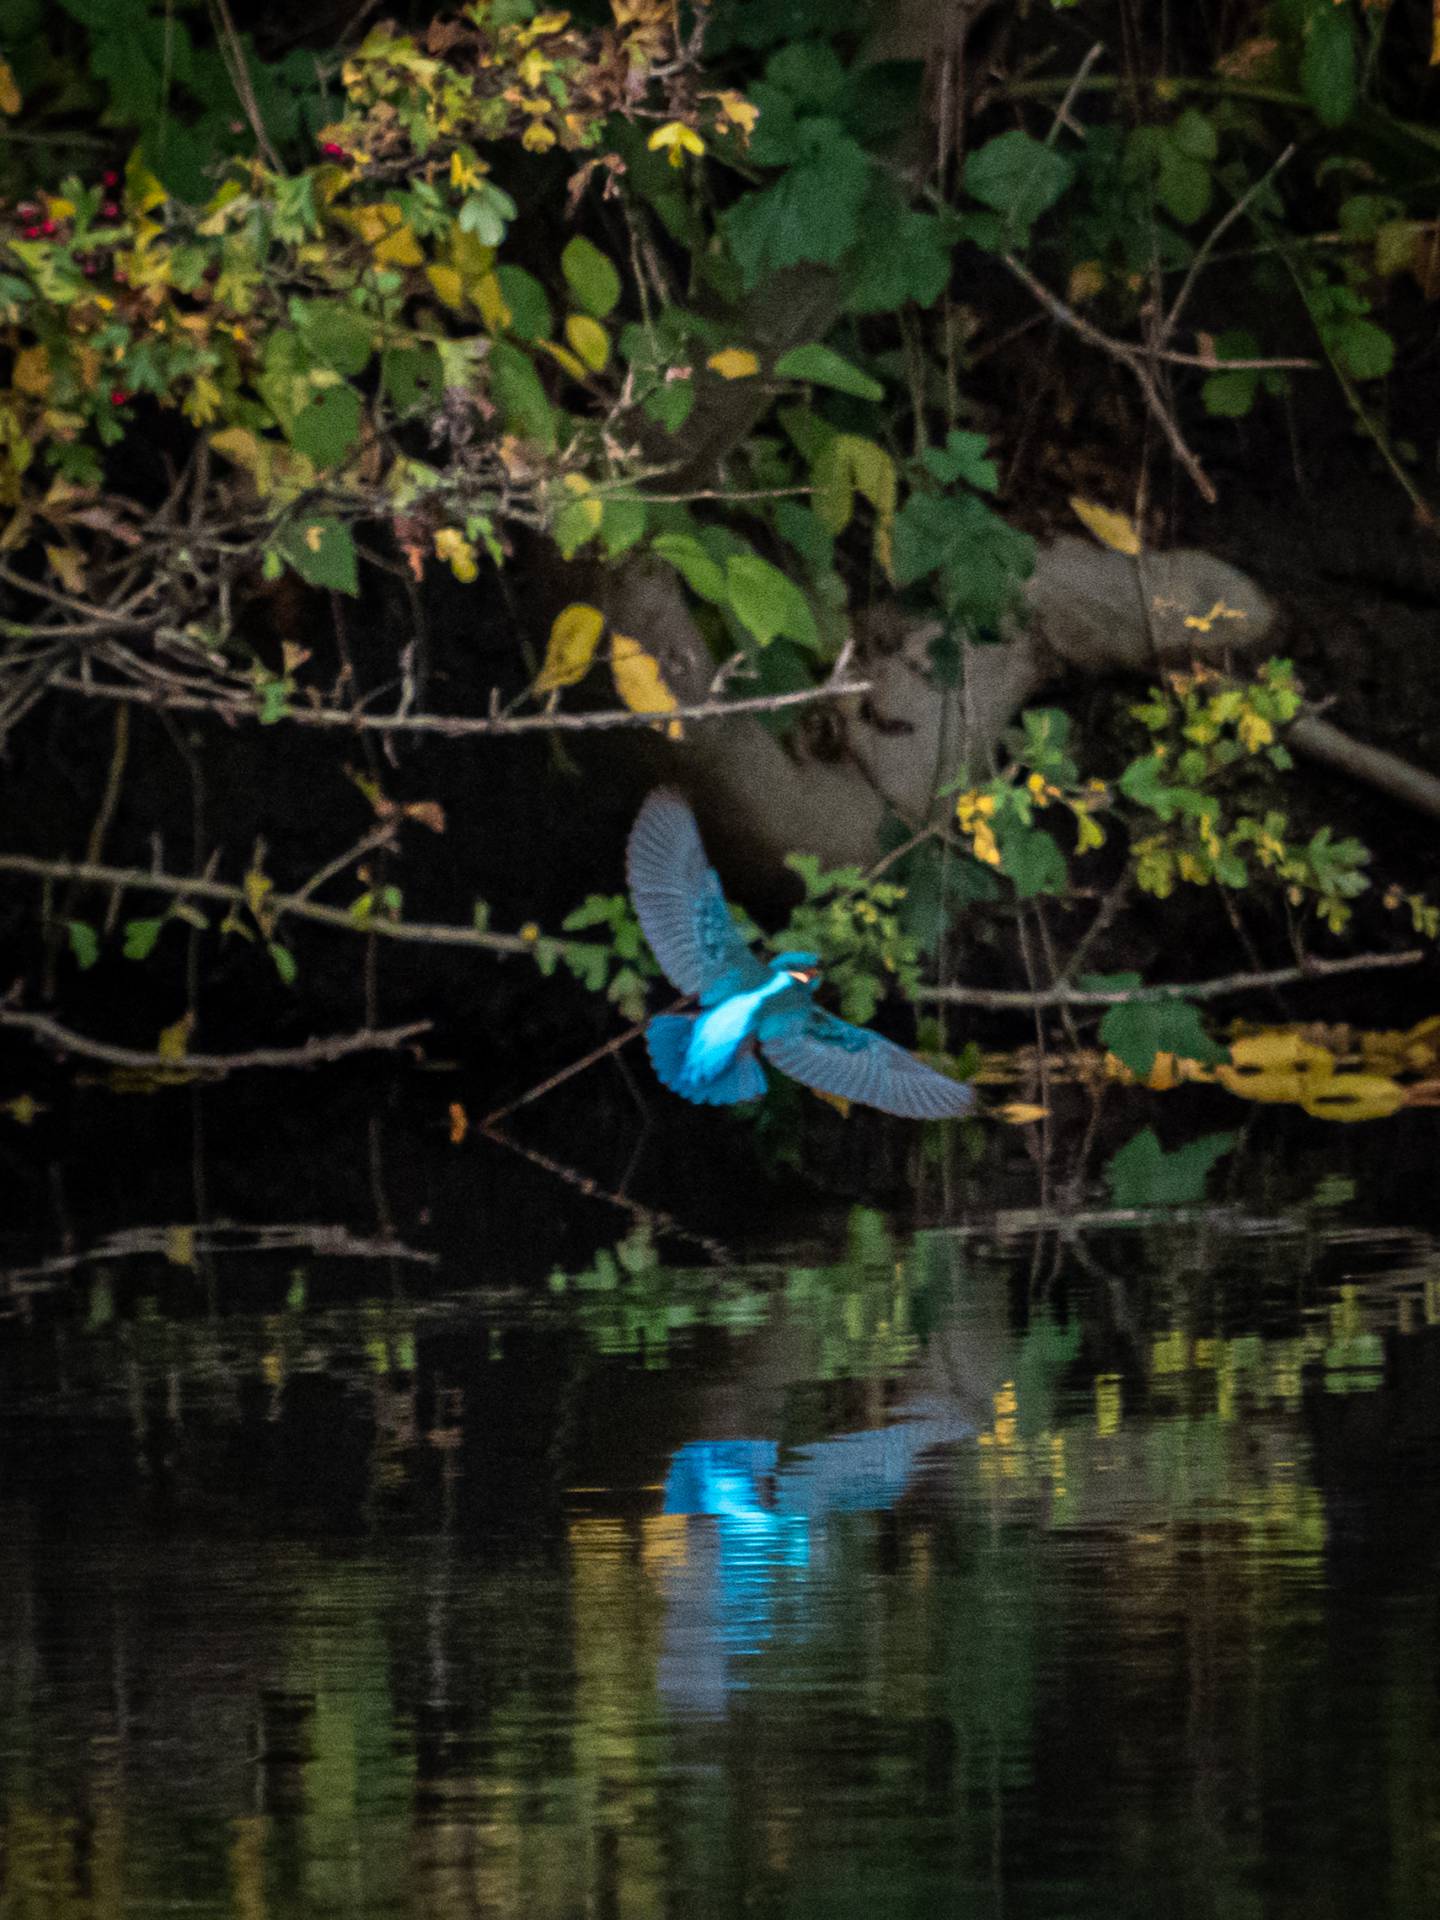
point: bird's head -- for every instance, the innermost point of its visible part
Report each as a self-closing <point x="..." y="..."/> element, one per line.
<point x="803" y="968"/>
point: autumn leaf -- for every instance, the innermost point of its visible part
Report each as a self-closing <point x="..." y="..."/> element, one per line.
<point x="734" y="363"/>
<point x="174" y="1040"/>
<point x="675" y="140"/>
<point x="459" y="1123"/>
<point x="589" y="340"/>
<point x="10" y="101"/>
<point x="639" y="682"/>
<point x="574" y="636"/>
<point x="1111" y="529"/>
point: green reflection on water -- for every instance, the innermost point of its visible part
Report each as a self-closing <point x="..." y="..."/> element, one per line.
<point x="990" y="1572"/>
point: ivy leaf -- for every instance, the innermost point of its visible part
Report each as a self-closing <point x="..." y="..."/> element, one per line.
<point x="823" y="368"/>
<point x="322" y="552"/>
<point x="1143" y="1174"/>
<point x="1018" y="177"/>
<point x="965" y="456"/>
<point x="767" y="602"/>
<point x="905" y="256"/>
<point x="812" y="212"/>
<point x="591" y="277"/>
<point x="1139" y="1029"/>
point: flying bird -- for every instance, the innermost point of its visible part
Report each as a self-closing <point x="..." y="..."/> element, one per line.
<point x="749" y="1006"/>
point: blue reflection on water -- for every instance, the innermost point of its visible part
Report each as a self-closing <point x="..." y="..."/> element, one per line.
<point x="745" y="1576"/>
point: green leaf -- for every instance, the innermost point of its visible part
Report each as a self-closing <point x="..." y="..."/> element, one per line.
<point x="1143" y="1174"/>
<point x="1195" y="136"/>
<point x="1366" y="351"/>
<point x="530" y="312"/>
<point x="1031" y="859"/>
<point x="334" y="336"/>
<point x="1018" y="177"/>
<point x="1183" y="185"/>
<point x="84" y="943"/>
<point x="622" y="526"/>
<point x="812" y="212"/>
<point x="905" y="255"/>
<point x="1327" y="64"/>
<point x="521" y="398"/>
<point x="1138" y="1030"/>
<point x="590" y="276"/>
<point x="575" y="525"/>
<point x="414" y="377"/>
<point x="767" y="602"/>
<point x="826" y="369"/>
<point x="671" y="404"/>
<point x="965" y="456"/>
<point x="328" y="428"/>
<point x="284" y="961"/>
<point x="321" y="551"/>
<point x="702" y="574"/>
<point x="140" y="938"/>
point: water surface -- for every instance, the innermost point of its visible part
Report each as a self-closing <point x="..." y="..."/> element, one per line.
<point x="1051" y="1564"/>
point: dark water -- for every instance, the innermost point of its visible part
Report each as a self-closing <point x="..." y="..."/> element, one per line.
<point x="1055" y="1564"/>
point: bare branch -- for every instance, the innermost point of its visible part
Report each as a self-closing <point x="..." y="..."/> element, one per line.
<point x="1001" y="999"/>
<point x="197" y="887"/>
<point x="215" y="1238"/>
<point x="189" y="1066"/>
<point x="447" y="726"/>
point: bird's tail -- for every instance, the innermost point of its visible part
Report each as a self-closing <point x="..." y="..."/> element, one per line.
<point x="668" y="1039"/>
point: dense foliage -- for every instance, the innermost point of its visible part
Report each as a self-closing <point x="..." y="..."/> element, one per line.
<point x="703" y="288"/>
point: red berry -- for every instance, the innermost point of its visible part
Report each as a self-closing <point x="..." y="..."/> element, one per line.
<point x="332" y="150"/>
<point x="118" y="396"/>
<point x="122" y="279"/>
<point x="47" y="227"/>
<point x="32" y="233"/>
<point x="109" y="178"/>
<point x="110" y="210"/>
<point x="89" y="269"/>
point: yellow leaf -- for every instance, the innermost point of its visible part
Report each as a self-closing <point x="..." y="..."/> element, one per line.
<point x="638" y="680"/>
<point x="1087" y="278"/>
<point x="849" y="463"/>
<point x="455" y="550"/>
<point x="589" y="340"/>
<point x="31" y="372"/>
<point x="1111" y="529"/>
<point x="180" y="1246"/>
<point x="23" y="1109"/>
<point x="735" y="107"/>
<point x="247" y="450"/>
<point x="257" y="886"/>
<point x="400" y="249"/>
<point x="10" y="101"/>
<point x="175" y="1040"/>
<point x="538" y="137"/>
<point x="68" y="568"/>
<point x="733" y="363"/>
<point x="563" y="357"/>
<point x="1088" y="833"/>
<point x="491" y="301"/>
<point x="1354" y="1096"/>
<point x="448" y="285"/>
<point x="574" y="636"/>
<point x="675" y="140"/>
<point x="202" y="403"/>
<point x="1277" y="1068"/>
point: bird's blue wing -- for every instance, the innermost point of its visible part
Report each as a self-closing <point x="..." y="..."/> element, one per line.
<point x="681" y="904"/>
<point x="834" y="1057"/>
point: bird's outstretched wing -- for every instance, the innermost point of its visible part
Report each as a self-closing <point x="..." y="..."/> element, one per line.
<point x="834" y="1057"/>
<point x="681" y="905"/>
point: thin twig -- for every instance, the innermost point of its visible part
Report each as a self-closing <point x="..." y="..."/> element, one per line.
<point x="1208" y="244"/>
<point x="999" y="999"/>
<point x="196" y="886"/>
<point x="596" y="1054"/>
<point x="185" y="1066"/>
<point x="447" y="726"/>
<point x="216" y="1237"/>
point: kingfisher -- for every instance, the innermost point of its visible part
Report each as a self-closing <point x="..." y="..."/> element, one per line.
<point x="749" y="1006"/>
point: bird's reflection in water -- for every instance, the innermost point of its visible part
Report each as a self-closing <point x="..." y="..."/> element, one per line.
<point x="757" y="1538"/>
